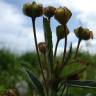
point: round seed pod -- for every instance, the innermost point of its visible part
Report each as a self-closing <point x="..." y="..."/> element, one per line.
<point x="83" y="33"/>
<point x="49" y="11"/>
<point x="33" y="10"/>
<point x="42" y="47"/>
<point x="62" y="15"/>
<point x="60" y="31"/>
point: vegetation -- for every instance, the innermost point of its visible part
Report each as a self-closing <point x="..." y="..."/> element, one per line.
<point x="48" y="74"/>
<point x="57" y="75"/>
<point x="11" y="72"/>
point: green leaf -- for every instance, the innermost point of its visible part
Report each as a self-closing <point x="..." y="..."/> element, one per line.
<point x="72" y="69"/>
<point x="35" y="82"/>
<point x="48" y="40"/>
<point x="85" y="83"/>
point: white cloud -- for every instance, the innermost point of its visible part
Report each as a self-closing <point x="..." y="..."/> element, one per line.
<point x="86" y="13"/>
<point x="15" y="33"/>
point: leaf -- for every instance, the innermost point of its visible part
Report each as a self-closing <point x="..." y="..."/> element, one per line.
<point x="84" y="83"/>
<point x="35" y="82"/>
<point x="48" y="40"/>
<point x="72" y="69"/>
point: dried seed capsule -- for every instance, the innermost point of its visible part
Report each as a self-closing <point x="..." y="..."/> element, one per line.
<point x="49" y="11"/>
<point x="60" y="31"/>
<point x="33" y="10"/>
<point x="42" y="47"/>
<point x="83" y="33"/>
<point x="62" y="15"/>
<point x="27" y="9"/>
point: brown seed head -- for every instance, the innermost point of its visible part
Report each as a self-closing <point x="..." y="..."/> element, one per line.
<point x="42" y="47"/>
<point x="49" y="11"/>
<point x="33" y="10"/>
<point x="60" y="31"/>
<point x="83" y="33"/>
<point x="62" y="15"/>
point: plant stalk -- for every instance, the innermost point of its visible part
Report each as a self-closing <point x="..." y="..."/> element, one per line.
<point x="65" y="46"/>
<point x="66" y="93"/>
<point x="63" y="90"/>
<point x="48" y="73"/>
<point x="56" y="48"/>
<point x="35" y="39"/>
<point x="79" y="41"/>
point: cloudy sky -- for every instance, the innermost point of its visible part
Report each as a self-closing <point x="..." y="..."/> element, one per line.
<point x="16" y="31"/>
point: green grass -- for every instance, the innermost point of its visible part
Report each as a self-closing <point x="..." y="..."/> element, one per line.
<point x="11" y="70"/>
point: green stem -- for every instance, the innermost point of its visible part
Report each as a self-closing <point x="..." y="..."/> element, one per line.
<point x="65" y="46"/>
<point x="46" y="64"/>
<point x="51" y="67"/>
<point x="79" y="41"/>
<point x="56" y="48"/>
<point x="35" y="38"/>
<point x="60" y="86"/>
<point x="67" y="88"/>
<point x="63" y="90"/>
<point x="48" y="39"/>
<point x="48" y="73"/>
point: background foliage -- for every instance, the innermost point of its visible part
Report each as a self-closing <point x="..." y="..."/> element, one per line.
<point x="11" y="70"/>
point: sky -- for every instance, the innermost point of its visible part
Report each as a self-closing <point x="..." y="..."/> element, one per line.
<point x="16" y="28"/>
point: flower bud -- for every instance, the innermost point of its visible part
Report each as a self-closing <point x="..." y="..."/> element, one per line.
<point x="83" y="33"/>
<point x="49" y="11"/>
<point x="60" y="31"/>
<point x="33" y="10"/>
<point x="62" y="15"/>
<point x="42" y="47"/>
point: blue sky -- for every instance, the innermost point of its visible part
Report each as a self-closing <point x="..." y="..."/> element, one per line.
<point x="16" y="31"/>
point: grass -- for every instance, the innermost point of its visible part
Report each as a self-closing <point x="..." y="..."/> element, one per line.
<point x="11" y="70"/>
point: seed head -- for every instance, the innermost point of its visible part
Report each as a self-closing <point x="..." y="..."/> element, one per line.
<point x="60" y="31"/>
<point x="33" y="10"/>
<point x="62" y="15"/>
<point x="83" y="33"/>
<point x="49" y="11"/>
<point x="42" y="47"/>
